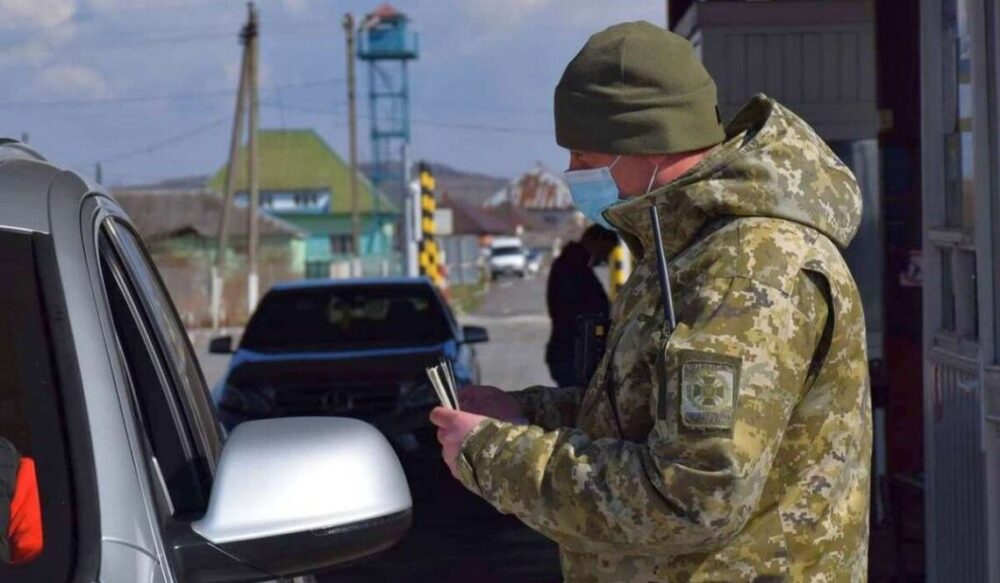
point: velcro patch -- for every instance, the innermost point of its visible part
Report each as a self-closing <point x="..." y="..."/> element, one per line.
<point x="709" y="389"/>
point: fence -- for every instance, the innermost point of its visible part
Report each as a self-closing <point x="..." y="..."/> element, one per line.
<point x="342" y="267"/>
<point x="190" y="283"/>
<point x="463" y="259"/>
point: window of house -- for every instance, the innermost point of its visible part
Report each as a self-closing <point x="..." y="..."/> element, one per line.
<point x="342" y="244"/>
<point x="290" y="201"/>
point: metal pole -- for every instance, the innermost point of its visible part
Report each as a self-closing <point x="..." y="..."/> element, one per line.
<point x="253" y="238"/>
<point x="352" y="124"/>
<point x="429" y="255"/>
<point x="219" y="270"/>
<point x="410" y="232"/>
<point x="620" y="267"/>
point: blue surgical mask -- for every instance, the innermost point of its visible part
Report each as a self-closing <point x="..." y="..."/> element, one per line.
<point x="594" y="191"/>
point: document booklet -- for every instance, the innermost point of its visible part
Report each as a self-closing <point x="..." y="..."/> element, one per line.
<point x="442" y="377"/>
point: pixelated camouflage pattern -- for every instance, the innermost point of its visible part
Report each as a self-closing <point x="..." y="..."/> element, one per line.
<point x="551" y="407"/>
<point x="630" y="488"/>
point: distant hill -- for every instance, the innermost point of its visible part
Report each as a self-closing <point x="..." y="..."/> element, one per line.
<point x="469" y="187"/>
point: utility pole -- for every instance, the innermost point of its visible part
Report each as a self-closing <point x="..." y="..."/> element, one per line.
<point x="253" y="239"/>
<point x="411" y="216"/>
<point x="352" y="124"/>
<point x="98" y="174"/>
<point x="219" y="271"/>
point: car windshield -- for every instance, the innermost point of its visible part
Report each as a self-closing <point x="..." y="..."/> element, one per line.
<point x="347" y="318"/>
<point x="502" y="251"/>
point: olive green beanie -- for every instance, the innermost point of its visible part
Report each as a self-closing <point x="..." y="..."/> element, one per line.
<point x="636" y="88"/>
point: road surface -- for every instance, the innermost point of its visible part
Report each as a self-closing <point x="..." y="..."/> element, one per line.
<point x="457" y="537"/>
<point x="514" y="314"/>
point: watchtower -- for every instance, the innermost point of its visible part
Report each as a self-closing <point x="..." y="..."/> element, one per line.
<point x="387" y="44"/>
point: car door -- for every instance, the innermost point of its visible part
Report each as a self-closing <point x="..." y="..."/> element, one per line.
<point x="178" y="431"/>
<point x="181" y="432"/>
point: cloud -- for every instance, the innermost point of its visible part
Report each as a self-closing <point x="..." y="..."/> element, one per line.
<point x="133" y="5"/>
<point x="39" y="47"/>
<point x="561" y="14"/>
<point x="37" y="13"/>
<point x="72" y="81"/>
<point x="506" y="13"/>
<point x="38" y="29"/>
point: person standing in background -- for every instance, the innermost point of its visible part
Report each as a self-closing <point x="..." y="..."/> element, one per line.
<point x="574" y="290"/>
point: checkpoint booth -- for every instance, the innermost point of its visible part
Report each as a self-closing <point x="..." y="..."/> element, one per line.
<point x="908" y="94"/>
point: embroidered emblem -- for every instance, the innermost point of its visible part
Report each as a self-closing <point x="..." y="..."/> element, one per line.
<point x="709" y="385"/>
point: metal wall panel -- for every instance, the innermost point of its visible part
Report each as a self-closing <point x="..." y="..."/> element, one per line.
<point x="825" y="74"/>
<point x="959" y="500"/>
<point x="961" y="445"/>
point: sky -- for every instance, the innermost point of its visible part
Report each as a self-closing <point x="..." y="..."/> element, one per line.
<point x="147" y="87"/>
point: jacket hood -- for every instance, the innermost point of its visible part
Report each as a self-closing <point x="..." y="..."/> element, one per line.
<point x="772" y="164"/>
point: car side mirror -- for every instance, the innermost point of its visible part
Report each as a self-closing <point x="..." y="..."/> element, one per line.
<point x="221" y="345"/>
<point x="298" y="495"/>
<point x="475" y="335"/>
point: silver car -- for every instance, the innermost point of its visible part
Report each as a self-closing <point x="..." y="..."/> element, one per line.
<point x="99" y="386"/>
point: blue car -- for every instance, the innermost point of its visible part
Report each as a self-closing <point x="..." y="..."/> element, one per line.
<point x="345" y="348"/>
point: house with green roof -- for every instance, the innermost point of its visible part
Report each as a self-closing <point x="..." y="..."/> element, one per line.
<point x="302" y="181"/>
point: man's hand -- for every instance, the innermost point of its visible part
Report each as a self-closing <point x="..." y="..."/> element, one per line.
<point x="453" y="426"/>
<point x="491" y="402"/>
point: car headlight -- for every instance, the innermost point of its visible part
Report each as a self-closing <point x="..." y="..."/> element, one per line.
<point x="256" y="402"/>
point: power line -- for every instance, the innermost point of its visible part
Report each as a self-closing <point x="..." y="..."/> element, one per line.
<point x="427" y="122"/>
<point x="155" y="98"/>
<point x="174" y="39"/>
<point x="160" y="144"/>
<point x="202" y="35"/>
<point x="189" y="36"/>
<point x="194" y="132"/>
<point x="109" y="14"/>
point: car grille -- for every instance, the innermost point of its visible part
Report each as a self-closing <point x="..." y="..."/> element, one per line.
<point x="356" y="400"/>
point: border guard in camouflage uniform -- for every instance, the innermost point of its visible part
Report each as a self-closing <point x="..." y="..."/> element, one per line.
<point x="734" y="446"/>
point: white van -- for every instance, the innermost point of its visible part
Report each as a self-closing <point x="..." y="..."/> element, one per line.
<point x="508" y="256"/>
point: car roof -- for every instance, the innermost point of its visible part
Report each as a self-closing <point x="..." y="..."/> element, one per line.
<point x="334" y="283"/>
<point x="28" y="181"/>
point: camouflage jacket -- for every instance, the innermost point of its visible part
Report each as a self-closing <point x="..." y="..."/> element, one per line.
<point x="737" y="446"/>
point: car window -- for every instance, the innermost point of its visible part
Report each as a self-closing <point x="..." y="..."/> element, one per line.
<point x="507" y="251"/>
<point x="172" y="340"/>
<point x="347" y="318"/>
<point x="155" y="402"/>
<point x="36" y="506"/>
